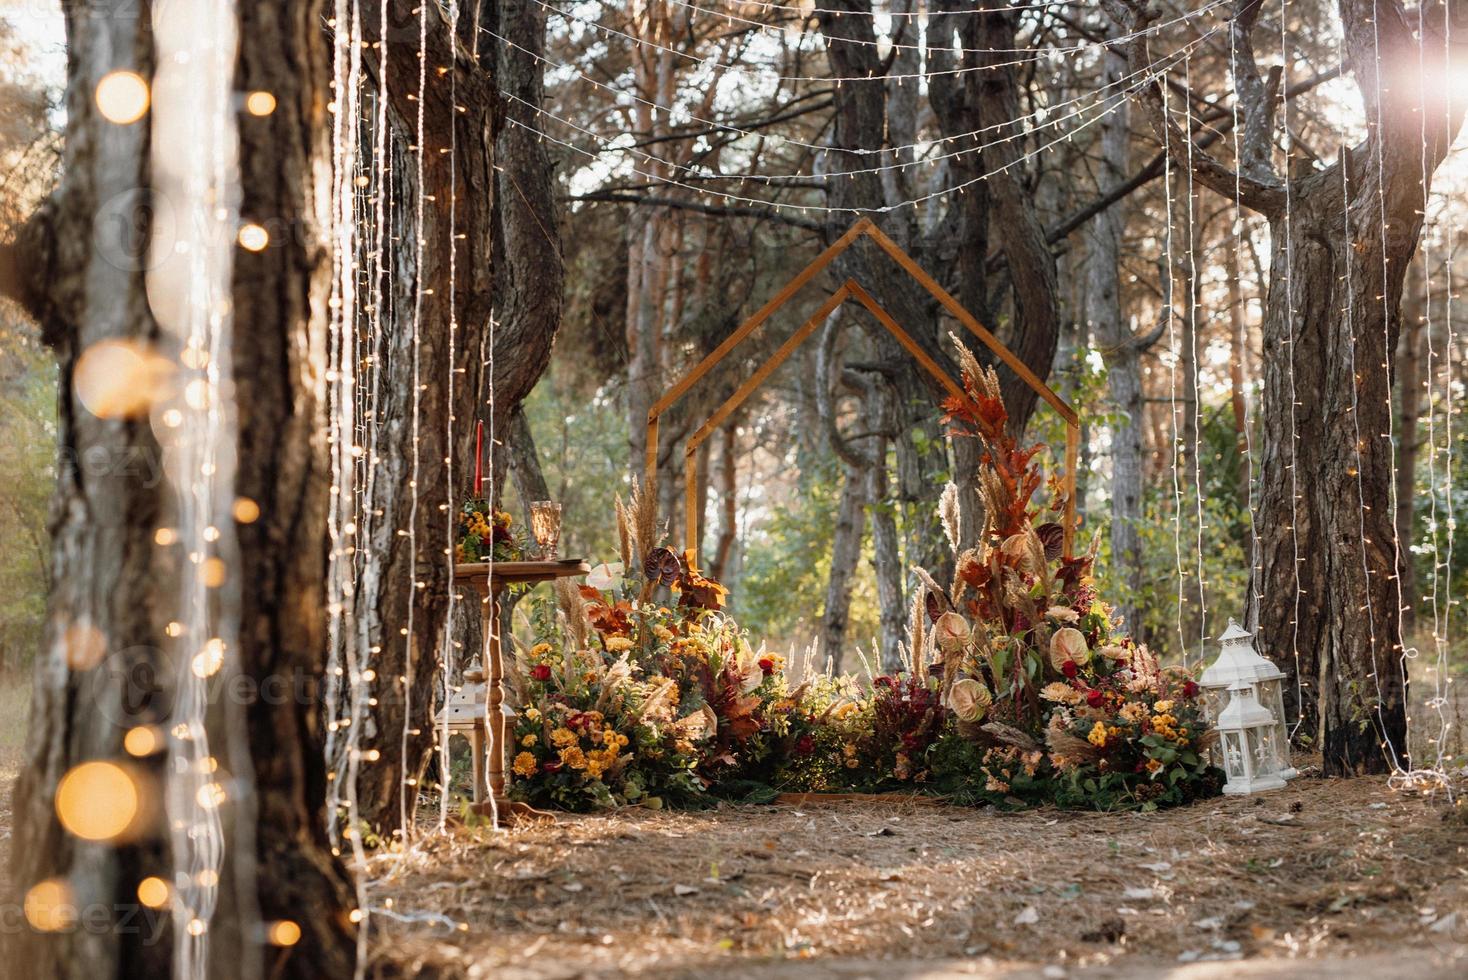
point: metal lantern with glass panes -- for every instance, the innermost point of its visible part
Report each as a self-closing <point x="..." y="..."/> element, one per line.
<point x="1248" y="745"/>
<point x="1239" y="663"/>
<point x="464" y="715"/>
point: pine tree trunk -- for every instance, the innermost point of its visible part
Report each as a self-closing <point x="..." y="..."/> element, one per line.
<point x="111" y="578"/>
<point x="845" y="556"/>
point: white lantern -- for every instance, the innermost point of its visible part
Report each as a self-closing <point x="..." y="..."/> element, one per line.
<point x="1247" y="744"/>
<point x="1239" y="663"/>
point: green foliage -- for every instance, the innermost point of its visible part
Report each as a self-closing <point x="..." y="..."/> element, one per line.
<point x="27" y="451"/>
<point x="782" y="582"/>
<point x="1169" y="528"/>
<point x="582" y="443"/>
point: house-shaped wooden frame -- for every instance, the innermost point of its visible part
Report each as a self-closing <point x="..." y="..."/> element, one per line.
<point x="848" y="290"/>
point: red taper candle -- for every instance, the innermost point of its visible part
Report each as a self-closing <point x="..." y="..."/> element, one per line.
<point x="478" y="459"/>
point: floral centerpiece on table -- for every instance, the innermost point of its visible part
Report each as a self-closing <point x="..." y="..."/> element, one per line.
<point x="644" y="660"/>
<point x="485" y="533"/>
<point x="1044" y="691"/>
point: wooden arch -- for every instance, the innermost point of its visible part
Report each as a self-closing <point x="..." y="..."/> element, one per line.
<point x="848" y="290"/>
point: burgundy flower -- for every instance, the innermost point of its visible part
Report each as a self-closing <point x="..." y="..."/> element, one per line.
<point x="767" y="665"/>
<point x="550" y="767"/>
<point x="1095" y="698"/>
<point x="541" y="672"/>
<point x="1070" y="668"/>
<point x="805" y="745"/>
<point x="1190" y="689"/>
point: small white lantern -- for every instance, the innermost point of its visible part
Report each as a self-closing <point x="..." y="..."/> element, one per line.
<point x="464" y="715"/>
<point x="1239" y="663"/>
<point x="1247" y="744"/>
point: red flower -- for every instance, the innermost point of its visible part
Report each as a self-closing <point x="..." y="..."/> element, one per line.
<point x="1070" y="668"/>
<point x="1095" y="698"/>
<point x="767" y="665"/>
<point x="805" y="745"/>
<point x="541" y="672"/>
<point x="1190" y="689"/>
<point x="550" y="767"/>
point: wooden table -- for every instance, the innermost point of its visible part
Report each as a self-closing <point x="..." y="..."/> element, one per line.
<point x="489" y="580"/>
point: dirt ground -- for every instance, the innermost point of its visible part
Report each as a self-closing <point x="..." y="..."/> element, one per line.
<point x="1324" y="878"/>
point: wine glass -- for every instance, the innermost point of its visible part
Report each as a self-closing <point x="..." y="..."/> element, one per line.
<point x="545" y="527"/>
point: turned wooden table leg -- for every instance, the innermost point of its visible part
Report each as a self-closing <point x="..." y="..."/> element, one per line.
<point x="495" y="697"/>
<point x="476" y="743"/>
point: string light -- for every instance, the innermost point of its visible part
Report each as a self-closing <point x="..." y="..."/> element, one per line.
<point x="1193" y="360"/>
<point x="620" y="94"/>
<point x="854" y="211"/>
<point x="122" y="97"/>
<point x="405" y="786"/>
<point x="1289" y="283"/>
<point x="450" y="524"/>
<point x="1172" y="364"/>
<point x="1386" y="319"/>
<point x="1044" y="118"/>
<point x="883" y="44"/>
<point x="195" y="115"/>
<point x="1036" y="54"/>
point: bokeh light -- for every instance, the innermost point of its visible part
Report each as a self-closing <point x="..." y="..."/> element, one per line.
<point x="122" y="97"/>
<point x="154" y="892"/>
<point x="284" y="933"/>
<point x="259" y="103"/>
<point x="117" y="379"/>
<point x="49" y="906"/>
<point x="208" y="660"/>
<point x="246" y="511"/>
<point x="142" y="741"/>
<point x="85" y="645"/>
<point x="253" y="238"/>
<point x="97" y="801"/>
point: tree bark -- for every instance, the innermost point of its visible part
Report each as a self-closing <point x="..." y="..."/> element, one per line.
<point x="111" y="578"/>
<point x="845" y="556"/>
<point x="1328" y="597"/>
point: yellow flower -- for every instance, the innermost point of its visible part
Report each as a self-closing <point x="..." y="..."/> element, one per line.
<point x="616" y="644"/>
<point x="1153" y="765"/>
<point x="622" y="741"/>
<point x="524" y="764"/>
<point x="573" y="757"/>
<point x="662" y="633"/>
<point x="562" y="737"/>
<point x="1133" y="712"/>
<point x="532" y="713"/>
<point x="528" y="740"/>
<point x="539" y="650"/>
<point x="1162" y="707"/>
<point x="1098" y="735"/>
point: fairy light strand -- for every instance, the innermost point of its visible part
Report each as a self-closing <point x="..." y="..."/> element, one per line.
<point x="689" y="118"/>
<point x="450" y="659"/>
<point x="406" y="784"/>
<point x="1193" y="361"/>
<point x="823" y="209"/>
<point x="883" y="44"/>
<point x="1390" y="434"/>
<point x="1043" y="118"/>
<point x="1289" y="283"/>
<point x="1036" y="54"/>
<point x="1172" y="364"/>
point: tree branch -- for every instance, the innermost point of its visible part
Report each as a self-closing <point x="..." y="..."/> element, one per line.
<point x="765" y="214"/>
<point x="1263" y="196"/>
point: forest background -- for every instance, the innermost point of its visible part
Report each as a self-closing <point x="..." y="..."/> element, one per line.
<point x="820" y="493"/>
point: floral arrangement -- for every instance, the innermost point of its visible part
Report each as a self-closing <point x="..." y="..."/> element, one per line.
<point x="1019" y="691"/>
<point x="1050" y="697"/>
<point x="485" y="533"/>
